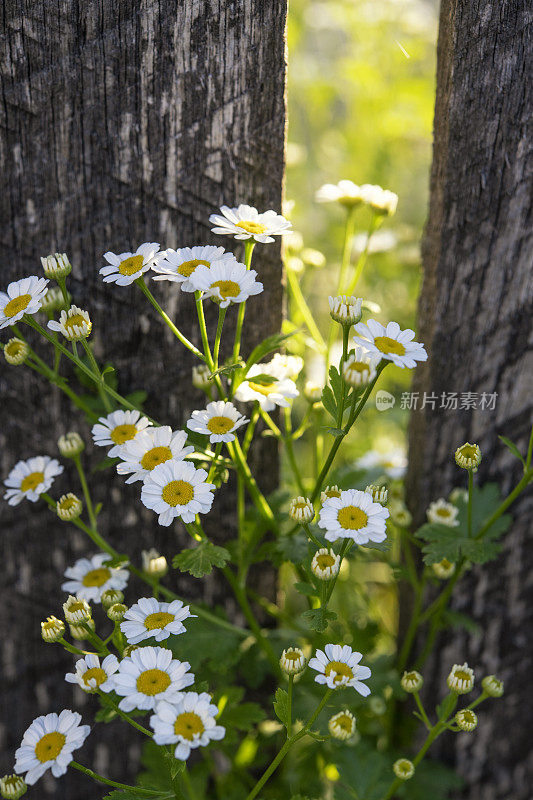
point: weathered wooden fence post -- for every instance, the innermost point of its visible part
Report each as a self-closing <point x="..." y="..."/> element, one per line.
<point x="475" y="317"/>
<point x="120" y="122"/>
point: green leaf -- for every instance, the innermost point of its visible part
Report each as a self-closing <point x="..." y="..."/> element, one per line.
<point x="264" y="379"/>
<point x="318" y="619"/>
<point x="305" y="588"/>
<point x="205" y="644"/>
<point x="281" y="706"/>
<point x="267" y="346"/>
<point x="513" y="448"/>
<point x="200" y="560"/>
<point x="243" y="716"/>
<point x="458" y="620"/>
<point x="328" y="401"/>
<point x="335" y="431"/>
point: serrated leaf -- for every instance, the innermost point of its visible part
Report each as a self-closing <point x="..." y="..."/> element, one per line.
<point x="305" y="588"/>
<point x="458" y="620"/>
<point x="335" y="431"/>
<point x="200" y="560"/>
<point x="513" y="448"/>
<point x="318" y="619"/>
<point x="281" y="706"/>
<point x="328" y="401"/>
<point x="267" y="346"/>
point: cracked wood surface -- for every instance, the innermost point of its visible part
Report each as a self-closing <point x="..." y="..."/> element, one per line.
<point x="121" y="123"/>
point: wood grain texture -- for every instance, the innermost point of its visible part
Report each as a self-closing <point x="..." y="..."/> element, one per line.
<point x="475" y="317"/>
<point x="121" y="123"/>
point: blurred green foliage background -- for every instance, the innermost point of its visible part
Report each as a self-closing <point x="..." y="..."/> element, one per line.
<point x="361" y="99"/>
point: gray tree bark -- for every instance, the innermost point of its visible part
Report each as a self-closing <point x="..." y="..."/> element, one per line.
<point x="121" y="123"/>
<point x="475" y="317"/>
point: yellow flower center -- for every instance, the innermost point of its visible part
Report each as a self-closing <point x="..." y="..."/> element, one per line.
<point x="31" y="481"/>
<point x="96" y="674"/>
<point x="445" y="564"/>
<point x="14" y="348"/>
<point x="388" y="345"/>
<point x="153" y="681"/>
<point x="17" y="305"/>
<point x="358" y="366"/>
<point x="332" y="493"/>
<point x="226" y="288"/>
<point x="131" y="265"/>
<point x="345" y="723"/>
<point x="188" y="267"/>
<point x="158" y="620"/>
<point x="292" y="655"/>
<point x="462" y="675"/>
<point x="442" y="512"/>
<point x="468" y="716"/>
<point x="67" y="504"/>
<point x="49" y="746"/>
<point x="123" y="433"/>
<point x="96" y="577"/>
<point x="187" y="724"/>
<point x="155" y="456"/>
<point x="341" y="669"/>
<point x="262" y="388"/>
<point x="468" y="451"/>
<point x="352" y="518"/>
<point x="75" y="319"/>
<point x="220" y="424"/>
<point x="324" y="560"/>
<point x="76" y="606"/>
<point x="178" y="493"/>
<point x="251" y="227"/>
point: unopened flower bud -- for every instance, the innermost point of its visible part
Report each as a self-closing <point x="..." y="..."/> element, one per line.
<point x="466" y="720"/>
<point x="70" y="445"/>
<point x="292" y="661"/>
<point x="12" y="787"/>
<point x="200" y="377"/>
<point x="110" y="597"/>
<point x="79" y="632"/>
<point x="128" y="650"/>
<point x="325" y="564"/>
<point x="400" y="514"/>
<point x="329" y="492"/>
<point x="116" y="612"/>
<point x="153" y="563"/>
<point x="443" y="569"/>
<point x="342" y="725"/>
<point x="461" y="679"/>
<point x="379" y="493"/>
<point x="69" y="507"/>
<point x="313" y="391"/>
<point x="492" y="686"/>
<point x="301" y="509"/>
<point x="468" y="456"/>
<point x="77" y="610"/>
<point x="358" y="369"/>
<point x="403" y="769"/>
<point x="345" y="310"/>
<point x="52" y="629"/>
<point x="412" y="681"/>
<point x="54" y="301"/>
<point x="56" y="266"/>
<point x="16" y="352"/>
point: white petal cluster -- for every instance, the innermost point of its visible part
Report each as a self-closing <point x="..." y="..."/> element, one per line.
<point x="179" y="266"/>
<point x="29" y="479"/>
<point x="16" y="352"/>
<point x="342" y="725"/>
<point x="444" y="513"/>
<point x="345" y="192"/>
<point x="301" y="509"/>
<point x="353" y="515"/>
<point x="74" y="324"/>
<point x="150" y="675"/>
<point x="91" y="676"/>
<point x="118" y="428"/>
<point x="21" y="297"/>
<point x="338" y="666"/>
<point x="150" y="448"/>
<point x="56" y="265"/>
<point x="359" y="369"/>
<point x="346" y="310"/>
<point x="148" y="618"/>
<point x="292" y="661"/>
<point x="227" y="282"/>
<point x="90" y="577"/>
<point x="177" y="489"/>
<point x="125" y="268"/>
<point x="49" y="743"/>
<point x="325" y="564"/>
<point x="279" y="392"/>
<point x="390" y="343"/>
<point x="220" y="421"/>
<point x="245" y="222"/>
<point x="190" y="722"/>
<point x="461" y="679"/>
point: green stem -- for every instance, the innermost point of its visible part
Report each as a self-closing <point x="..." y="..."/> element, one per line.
<point x="311" y="535"/>
<point x="304" y="309"/>
<point x="71" y="649"/>
<point x="100" y="779"/>
<point x="189" y="788"/>
<point x="126" y="717"/>
<point x="290" y="451"/>
<point x="213" y="466"/>
<point x="374" y="225"/>
<point x="218" y="335"/>
<point x="258" y="498"/>
<point x="414" y="622"/>
<point x="289" y="705"/>
<point x="203" y="329"/>
<point x="86" y="493"/>
<point x="96" y="369"/>
<point x="422" y="710"/>
<point x="248" y="250"/>
<point x="470" y="498"/>
<point x="250" y="430"/>
<point x="345" y="335"/>
<point x="519" y="488"/>
<point x="177" y="333"/>
<point x="345" y="546"/>
<point x="347" y="248"/>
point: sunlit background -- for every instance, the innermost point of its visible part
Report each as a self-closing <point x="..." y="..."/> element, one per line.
<point x="361" y="100"/>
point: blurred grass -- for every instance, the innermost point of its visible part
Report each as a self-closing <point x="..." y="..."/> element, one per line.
<point x="361" y="97"/>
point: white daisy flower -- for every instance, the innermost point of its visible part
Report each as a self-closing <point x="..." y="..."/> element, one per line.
<point x="49" y="743"/>
<point x="269" y="395"/>
<point x="390" y="343"/>
<point x="177" y="489"/>
<point x="179" y="266"/>
<point x="21" y="297"/>
<point x="150" y="448"/>
<point x="125" y="268"/>
<point x="382" y="201"/>
<point x="90" y="675"/>
<point x="220" y="420"/>
<point x="227" y="282"/>
<point x="347" y="193"/>
<point x="412" y="681"/>
<point x="149" y="675"/>
<point x="342" y="725"/>
<point x="339" y="666"/>
<point x="29" y="479"/>
<point x="90" y="577"/>
<point x="118" y="428"/>
<point x="245" y="222"/>
<point x="444" y="513"/>
<point x="394" y="462"/>
<point x="286" y="366"/>
<point x="359" y="368"/>
<point x="74" y="324"/>
<point x="149" y="618"/>
<point x="325" y="564"/>
<point x="190" y="723"/>
<point x="353" y="515"/>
